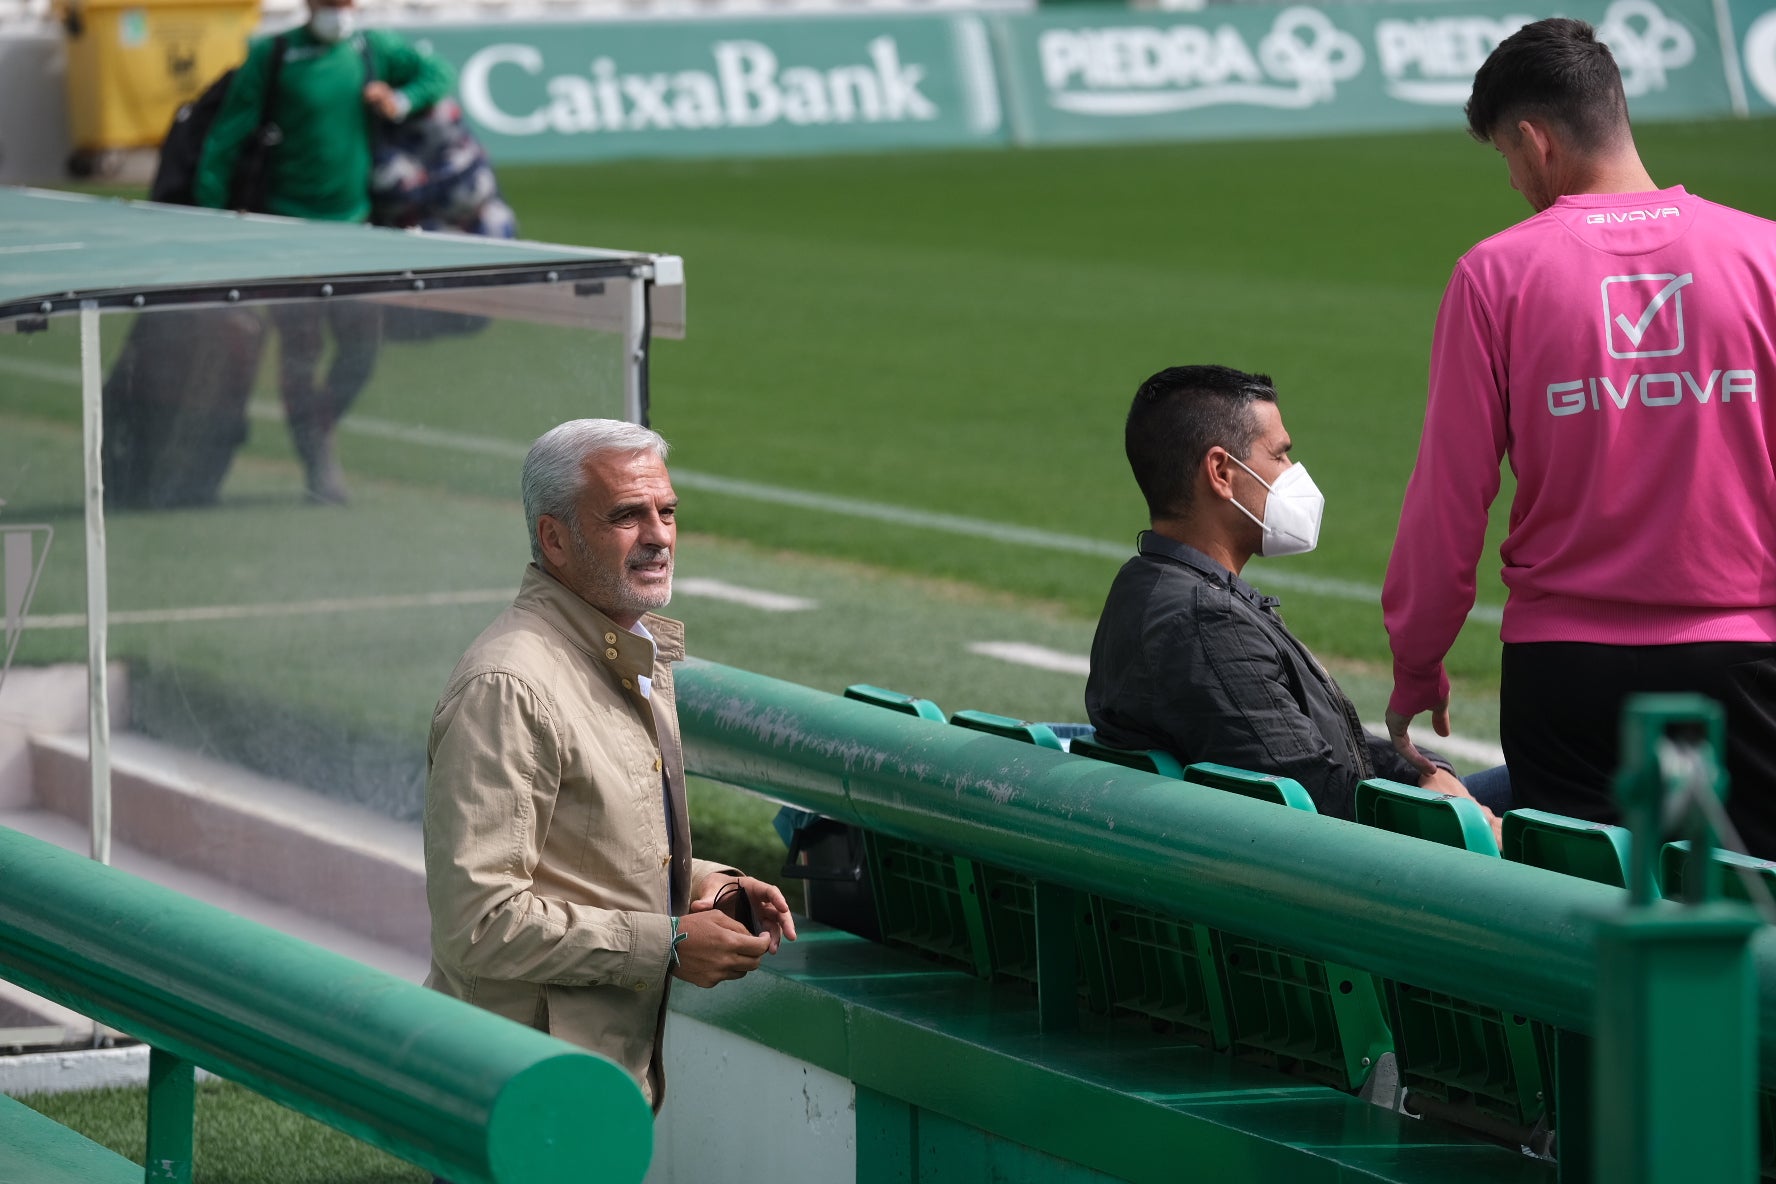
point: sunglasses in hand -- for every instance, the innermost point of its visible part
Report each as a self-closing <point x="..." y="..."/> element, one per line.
<point x="733" y="901"/>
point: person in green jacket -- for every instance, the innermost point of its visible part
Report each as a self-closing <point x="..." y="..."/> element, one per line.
<point x="334" y="81"/>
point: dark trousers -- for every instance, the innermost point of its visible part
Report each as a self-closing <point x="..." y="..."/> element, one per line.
<point x="313" y="402"/>
<point x="1560" y="707"/>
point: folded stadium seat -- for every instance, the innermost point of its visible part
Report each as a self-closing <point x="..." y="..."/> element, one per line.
<point x="1602" y="853"/>
<point x="1731" y="872"/>
<point x="1266" y="787"/>
<point x="1465" y="1062"/>
<point x="895" y="701"/>
<point x="837" y="864"/>
<point x="1157" y="966"/>
<point x="1315" y="1019"/>
<point x="1425" y="814"/>
<point x="1009" y="898"/>
<point x="1012" y="729"/>
<point x="1590" y="850"/>
<point x="1149" y="760"/>
<point x="914" y="896"/>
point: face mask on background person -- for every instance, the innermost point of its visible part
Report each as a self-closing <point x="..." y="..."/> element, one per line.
<point x="1292" y="515"/>
<point x="333" y="24"/>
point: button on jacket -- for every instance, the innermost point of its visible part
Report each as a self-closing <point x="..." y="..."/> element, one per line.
<point x="1191" y="659"/>
<point x="552" y="867"/>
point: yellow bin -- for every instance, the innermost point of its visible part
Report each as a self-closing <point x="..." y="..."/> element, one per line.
<point x="133" y="63"/>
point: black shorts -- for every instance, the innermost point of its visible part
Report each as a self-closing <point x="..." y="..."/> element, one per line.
<point x="1560" y="708"/>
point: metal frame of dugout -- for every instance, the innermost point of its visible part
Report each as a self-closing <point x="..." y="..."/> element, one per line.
<point x="73" y="256"/>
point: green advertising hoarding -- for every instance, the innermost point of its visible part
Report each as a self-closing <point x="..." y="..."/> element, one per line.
<point x="847" y="83"/>
<point x="1251" y="70"/>
<point x="1754" y="25"/>
<point x="587" y="91"/>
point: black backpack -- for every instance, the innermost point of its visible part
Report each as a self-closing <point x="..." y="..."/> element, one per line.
<point x="175" y="174"/>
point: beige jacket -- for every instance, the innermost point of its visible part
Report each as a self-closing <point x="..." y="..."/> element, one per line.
<point x="549" y="871"/>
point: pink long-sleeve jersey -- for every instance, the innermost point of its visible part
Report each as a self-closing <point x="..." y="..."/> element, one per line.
<point x="1620" y="348"/>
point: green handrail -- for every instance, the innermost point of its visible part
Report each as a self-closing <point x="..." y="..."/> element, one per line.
<point x="1514" y="937"/>
<point x="454" y="1089"/>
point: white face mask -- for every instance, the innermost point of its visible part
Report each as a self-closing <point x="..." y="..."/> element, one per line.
<point x="1292" y="514"/>
<point x="333" y="24"/>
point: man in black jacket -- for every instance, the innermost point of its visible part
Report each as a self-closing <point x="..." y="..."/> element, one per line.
<point x="1191" y="659"/>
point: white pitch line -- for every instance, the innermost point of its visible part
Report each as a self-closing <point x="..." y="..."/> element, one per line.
<point x="424" y="437"/>
<point x="710" y="589"/>
<point x="47" y="371"/>
<point x="826" y="503"/>
<point x="291" y="608"/>
<point x="1024" y="654"/>
<point x="770" y="602"/>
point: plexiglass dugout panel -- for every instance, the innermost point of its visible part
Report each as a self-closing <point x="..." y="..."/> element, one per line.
<point x="312" y="508"/>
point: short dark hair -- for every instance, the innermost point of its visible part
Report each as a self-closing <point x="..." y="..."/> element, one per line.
<point x="1556" y="70"/>
<point x="1177" y="416"/>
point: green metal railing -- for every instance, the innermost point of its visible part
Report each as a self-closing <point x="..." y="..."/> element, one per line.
<point x="1515" y="937"/>
<point x="1674" y="1078"/>
<point x="454" y="1089"/>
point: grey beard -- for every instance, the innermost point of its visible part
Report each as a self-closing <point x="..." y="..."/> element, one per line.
<point x="610" y="591"/>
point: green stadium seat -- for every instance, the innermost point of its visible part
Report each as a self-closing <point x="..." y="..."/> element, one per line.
<point x="1466" y="1062"/>
<point x="1425" y="814"/>
<point x="883" y="888"/>
<point x="1164" y="968"/>
<point x="1730" y="869"/>
<point x="1149" y="760"/>
<point x="953" y="909"/>
<point x="1012" y="729"/>
<point x="895" y="701"/>
<point x="1590" y="850"/>
<point x="1281" y="791"/>
<point x="1317" y="1019"/>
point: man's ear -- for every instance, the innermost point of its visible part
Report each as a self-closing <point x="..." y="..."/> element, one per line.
<point x="552" y="536"/>
<point x="1217" y="470"/>
<point x="1540" y="141"/>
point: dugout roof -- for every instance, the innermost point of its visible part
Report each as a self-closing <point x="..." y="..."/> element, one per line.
<point x="58" y="250"/>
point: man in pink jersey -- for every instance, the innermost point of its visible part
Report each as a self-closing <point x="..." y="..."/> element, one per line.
<point x="1613" y="346"/>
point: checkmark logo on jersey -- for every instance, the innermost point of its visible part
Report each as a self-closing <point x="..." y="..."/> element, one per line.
<point x="1643" y="314"/>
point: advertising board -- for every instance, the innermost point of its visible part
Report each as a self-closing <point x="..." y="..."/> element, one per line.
<point x="1252" y="70"/>
<point x="742" y="88"/>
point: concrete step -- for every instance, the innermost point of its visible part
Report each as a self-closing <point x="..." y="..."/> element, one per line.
<point x="282" y="843"/>
<point x="328" y="872"/>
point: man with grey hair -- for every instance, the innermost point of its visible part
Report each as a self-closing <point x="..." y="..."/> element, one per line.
<point x="558" y="852"/>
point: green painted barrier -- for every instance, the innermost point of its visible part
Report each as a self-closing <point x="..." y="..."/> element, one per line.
<point x="439" y="1083"/>
<point x="1674" y="1076"/>
<point x="1331" y="889"/>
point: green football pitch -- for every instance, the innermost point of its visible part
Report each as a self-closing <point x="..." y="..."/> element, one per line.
<point x="900" y="401"/>
<point x="961" y="333"/>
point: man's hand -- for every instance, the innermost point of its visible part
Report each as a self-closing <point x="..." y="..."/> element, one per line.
<point x="1397" y="725"/>
<point x="769" y="908"/>
<point x="716" y="947"/>
<point x="386" y="101"/>
<point x="1443" y="781"/>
